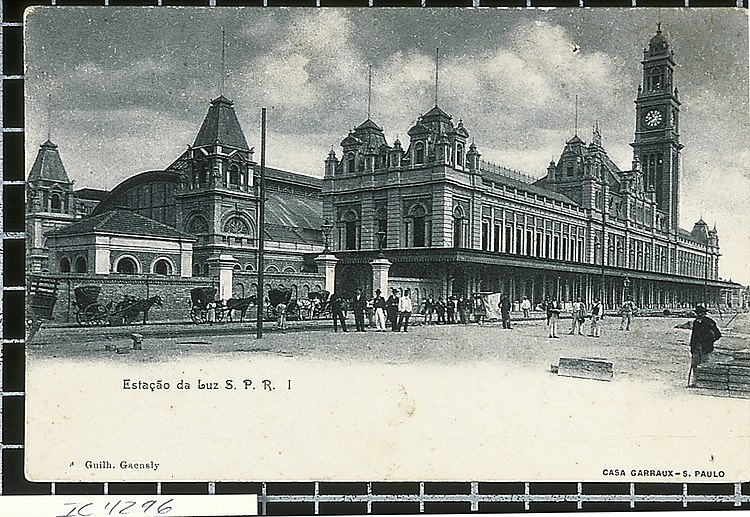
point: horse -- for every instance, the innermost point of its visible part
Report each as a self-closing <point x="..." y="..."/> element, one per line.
<point x="241" y="305"/>
<point x="132" y="307"/>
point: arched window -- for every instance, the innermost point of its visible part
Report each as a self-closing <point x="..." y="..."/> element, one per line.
<point x="81" y="265"/>
<point x="234" y="176"/>
<point x="236" y="225"/>
<point x="272" y="269"/>
<point x="460" y="155"/>
<point x="350" y="230"/>
<point x="655" y="79"/>
<point x="289" y="269"/>
<point x="162" y="267"/>
<point x="198" y="224"/>
<point x="127" y="266"/>
<point x="197" y="270"/>
<point x="64" y="265"/>
<point x="55" y="203"/>
<point x="249" y="267"/>
<point x="206" y="269"/>
<point x="350" y="163"/>
<point x="419" y="153"/>
<point x="237" y="267"/>
<point x="239" y="290"/>
<point x="419" y="225"/>
<point x="458" y="227"/>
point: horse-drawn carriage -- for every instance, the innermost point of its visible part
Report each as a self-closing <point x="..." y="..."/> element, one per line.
<point x="283" y="300"/>
<point x="204" y="306"/>
<point x="89" y="311"/>
<point x="317" y="305"/>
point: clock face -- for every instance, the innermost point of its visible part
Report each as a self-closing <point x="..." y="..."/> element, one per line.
<point x="653" y="118"/>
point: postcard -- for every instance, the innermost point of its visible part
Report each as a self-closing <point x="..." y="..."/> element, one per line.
<point x="387" y="244"/>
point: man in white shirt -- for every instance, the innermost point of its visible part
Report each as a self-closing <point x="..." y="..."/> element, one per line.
<point x="404" y="310"/>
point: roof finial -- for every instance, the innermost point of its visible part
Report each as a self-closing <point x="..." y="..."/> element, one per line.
<point x="49" y="117"/>
<point x="221" y="87"/>
<point x="437" y="68"/>
<point x="576" y="118"/>
<point x="369" y="91"/>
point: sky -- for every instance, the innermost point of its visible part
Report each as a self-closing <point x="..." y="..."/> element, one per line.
<point x="124" y="90"/>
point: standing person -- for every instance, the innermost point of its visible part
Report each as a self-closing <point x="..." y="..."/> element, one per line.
<point x="391" y="307"/>
<point x="404" y="310"/>
<point x="463" y="309"/>
<point x="378" y="303"/>
<point x="440" y="308"/>
<point x="578" y="317"/>
<point x="337" y="310"/>
<point x="211" y="315"/>
<point x="358" y="305"/>
<point x="505" y="310"/>
<point x="702" y="338"/>
<point x="525" y="307"/>
<point x="479" y="310"/>
<point x="597" y="314"/>
<point x="554" y="308"/>
<point x="628" y="307"/>
<point x="429" y="308"/>
<point x="545" y="307"/>
<point x="281" y="316"/>
<point x="451" y="308"/>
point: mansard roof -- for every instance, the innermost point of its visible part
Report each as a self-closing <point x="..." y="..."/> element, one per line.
<point x="221" y="125"/>
<point x="48" y="165"/>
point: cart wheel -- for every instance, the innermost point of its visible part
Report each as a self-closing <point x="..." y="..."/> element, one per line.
<point x="79" y="318"/>
<point x="270" y="312"/>
<point x="196" y="316"/>
<point x="95" y="314"/>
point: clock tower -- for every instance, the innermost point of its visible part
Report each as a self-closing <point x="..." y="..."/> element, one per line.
<point x="657" y="133"/>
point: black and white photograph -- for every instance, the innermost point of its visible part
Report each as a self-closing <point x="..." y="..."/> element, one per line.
<point x="387" y="244"/>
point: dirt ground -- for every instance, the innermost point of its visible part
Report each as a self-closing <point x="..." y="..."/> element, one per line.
<point x="653" y="350"/>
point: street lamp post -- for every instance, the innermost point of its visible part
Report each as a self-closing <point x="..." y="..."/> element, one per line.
<point x="625" y="288"/>
<point x="326" y="227"/>
<point x="381" y="241"/>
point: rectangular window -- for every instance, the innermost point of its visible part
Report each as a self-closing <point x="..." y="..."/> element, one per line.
<point x="529" y="241"/>
<point x="548" y="245"/>
<point x="419" y="232"/>
<point x="485" y="235"/>
<point x="508" y="239"/>
<point x="538" y="244"/>
<point x="498" y="236"/>
<point x="556" y="251"/>
<point x="519" y="241"/>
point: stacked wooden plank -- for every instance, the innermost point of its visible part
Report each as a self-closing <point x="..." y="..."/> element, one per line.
<point x="585" y="368"/>
<point x="731" y="377"/>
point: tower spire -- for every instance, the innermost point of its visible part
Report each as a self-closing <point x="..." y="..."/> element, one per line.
<point x="49" y="116"/>
<point x="221" y="87"/>
<point x="437" y="69"/>
<point x="369" y="90"/>
<point x="576" y="118"/>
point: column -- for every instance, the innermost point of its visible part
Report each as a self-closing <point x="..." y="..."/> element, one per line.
<point x="327" y="266"/>
<point x="222" y="266"/>
<point x="380" y="267"/>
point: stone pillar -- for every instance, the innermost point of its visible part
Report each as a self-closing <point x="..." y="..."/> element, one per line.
<point x="222" y="267"/>
<point x="380" y="268"/>
<point x="327" y="265"/>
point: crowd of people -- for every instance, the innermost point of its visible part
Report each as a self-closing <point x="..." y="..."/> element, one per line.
<point x="395" y="312"/>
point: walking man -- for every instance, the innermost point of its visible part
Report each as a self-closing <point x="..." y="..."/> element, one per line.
<point x="359" y="305"/>
<point x="525" y="307"/>
<point x="378" y="303"/>
<point x="597" y="314"/>
<point x="554" y="308"/>
<point x="440" y="308"/>
<point x="391" y="307"/>
<point x="429" y="308"/>
<point x="627" y="313"/>
<point x="337" y="310"/>
<point x="505" y="310"/>
<point x="463" y="309"/>
<point x="404" y="310"/>
<point x="451" y="309"/>
<point x="702" y="338"/>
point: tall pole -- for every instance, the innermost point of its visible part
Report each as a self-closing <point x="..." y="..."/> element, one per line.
<point x="261" y="222"/>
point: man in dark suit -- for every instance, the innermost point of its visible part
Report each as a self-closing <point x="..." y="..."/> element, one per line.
<point x="702" y="338"/>
<point x="337" y="310"/>
<point x="358" y="305"/>
<point x="391" y="309"/>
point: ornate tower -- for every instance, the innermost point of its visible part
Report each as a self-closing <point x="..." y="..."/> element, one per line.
<point x="50" y="203"/>
<point x="657" y="138"/>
